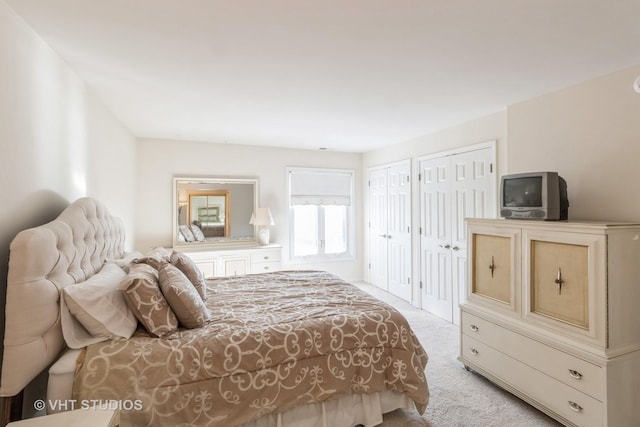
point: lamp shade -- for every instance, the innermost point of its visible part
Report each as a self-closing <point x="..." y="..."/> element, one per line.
<point x="262" y="216"/>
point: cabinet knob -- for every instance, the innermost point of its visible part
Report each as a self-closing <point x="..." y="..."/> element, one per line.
<point x="474" y="352"/>
<point x="575" y="406"/>
<point x="474" y="328"/>
<point x="575" y="374"/>
<point x="266" y="257"/>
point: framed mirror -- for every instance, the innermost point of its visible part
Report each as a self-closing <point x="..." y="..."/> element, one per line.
<point x="213" y="211"/>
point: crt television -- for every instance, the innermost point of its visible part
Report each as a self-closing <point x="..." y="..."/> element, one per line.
<point x="534" y="195"/>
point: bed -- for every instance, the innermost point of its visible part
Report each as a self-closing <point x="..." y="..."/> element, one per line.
<point x="276" y="349"/>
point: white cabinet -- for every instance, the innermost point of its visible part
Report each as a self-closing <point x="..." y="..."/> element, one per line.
<point x="551" y="315"/>
<point x="237" y="260"/>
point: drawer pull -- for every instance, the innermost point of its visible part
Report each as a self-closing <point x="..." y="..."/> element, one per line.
<point x="492" y="266"/>
<point x="266" y="267"/>
<point x="474" y="328"/>
<point x="474" y="351"/>
<point x="575" y="406"/>
<point x="575" y="374"/>
<point x="266" y="257"/>
<point x="559" y="281"/>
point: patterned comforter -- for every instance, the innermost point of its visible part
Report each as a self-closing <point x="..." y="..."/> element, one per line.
<point x="276" y="341"/>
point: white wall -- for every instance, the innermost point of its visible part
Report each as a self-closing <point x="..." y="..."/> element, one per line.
<point x="489" y="128"/>
<point x="57" y="141"/>
<point x="590" y="134"/>
<point x="160" y="160"/>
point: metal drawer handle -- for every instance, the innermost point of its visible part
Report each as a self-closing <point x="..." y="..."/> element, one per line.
<point x="575" y="406"/>
<point x="559" y="281"/>
<point x="492" y="266"/>
<point x="575" y="374"/>
<point x="474" y="328"/>
<point x="266" y="257"/>
<point x="474" y="352"/>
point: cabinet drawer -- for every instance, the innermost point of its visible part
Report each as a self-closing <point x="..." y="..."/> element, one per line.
<point x="266" y="256"/>
<point x="265" y="267"/>
<point x="575" y="406"/>
<point x="575" y="372"/>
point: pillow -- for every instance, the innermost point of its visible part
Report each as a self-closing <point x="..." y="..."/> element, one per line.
<point x="191" y="270"/>
<point x="181" y="238"/>
<point x="198" y="235"/>
<point x="94" y="311"/>
<point x="187" y="233"/>
<point x="141" y="291"/>
<point x="155" y="257"/>
<point x="182" y="297"/>
<point x="126" y="261"/>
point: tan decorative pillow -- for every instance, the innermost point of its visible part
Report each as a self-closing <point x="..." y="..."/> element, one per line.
<point x="198" y="235"/>
<point x="187" y="233"/>
<point x="155" y="257"/>
<point x="191" y="270"/>
<point x="182" y="297"/>
<point x="143" y="295"/>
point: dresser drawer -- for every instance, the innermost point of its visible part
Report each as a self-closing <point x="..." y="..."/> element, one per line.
<point x="265" y="256"/>
<point x="265" y="267"/>
<point x="575" y="406"/>
<point x="577" y="373"/>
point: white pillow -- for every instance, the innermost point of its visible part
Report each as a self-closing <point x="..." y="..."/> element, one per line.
<point x="97" y="311"/>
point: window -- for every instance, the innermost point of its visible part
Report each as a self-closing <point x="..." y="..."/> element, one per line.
<point x="321" y="212"/>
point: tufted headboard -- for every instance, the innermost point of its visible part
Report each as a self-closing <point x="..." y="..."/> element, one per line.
<point x="42" y="261"/>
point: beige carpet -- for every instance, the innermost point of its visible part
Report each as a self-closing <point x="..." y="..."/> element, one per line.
<point x="458" y="397"/>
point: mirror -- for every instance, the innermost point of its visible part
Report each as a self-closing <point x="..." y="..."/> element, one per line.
<point x="213" y="211"/>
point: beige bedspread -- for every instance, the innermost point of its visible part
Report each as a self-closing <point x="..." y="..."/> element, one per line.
<point x="277" y="340"/>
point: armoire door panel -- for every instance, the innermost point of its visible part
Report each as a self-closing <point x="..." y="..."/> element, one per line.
<point x="560" y="281"/>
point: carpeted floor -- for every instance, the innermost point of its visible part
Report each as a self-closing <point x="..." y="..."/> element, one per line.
<point x="458" y="398"/>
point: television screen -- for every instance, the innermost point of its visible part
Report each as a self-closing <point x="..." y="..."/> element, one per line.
<point x="523" y="192"/>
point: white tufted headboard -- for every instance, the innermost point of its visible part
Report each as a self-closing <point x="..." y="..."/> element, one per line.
<point x="43" y="260"/>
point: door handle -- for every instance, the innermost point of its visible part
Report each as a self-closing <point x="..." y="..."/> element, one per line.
<point x="445" y="246"/>
<point x="455" y="248"/>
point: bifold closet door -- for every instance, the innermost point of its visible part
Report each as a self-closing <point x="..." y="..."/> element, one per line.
<point x="390" y="229"/>
<point x="378" y="242"/>
<point x="452" y="188"/>
<point x="399" y="230"/>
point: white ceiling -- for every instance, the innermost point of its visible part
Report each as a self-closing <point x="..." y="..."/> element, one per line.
<point x="349" y="75"/>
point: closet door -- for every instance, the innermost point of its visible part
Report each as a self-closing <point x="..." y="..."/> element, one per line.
<point x="452" y="187"/>
<point x="399" y="229"/>
<point x="390" y="228"/>
<point x="378" y="242"/>
<point x="473" y="195"/>
<point x="435" y="237"/>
